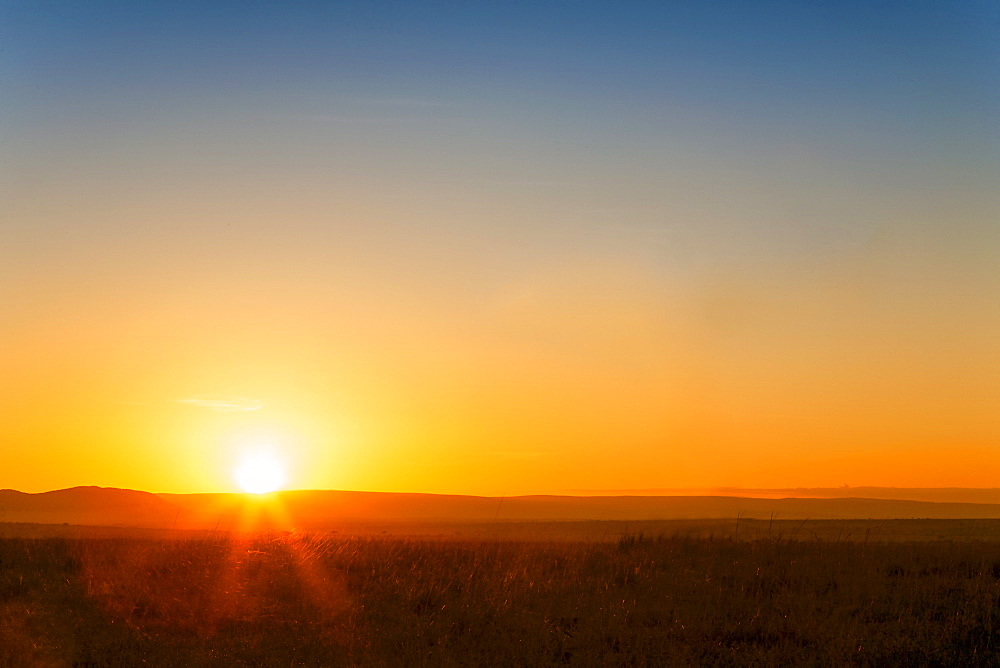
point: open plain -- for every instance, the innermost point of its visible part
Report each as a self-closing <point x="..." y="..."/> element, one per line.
<point x="918" y="592"/>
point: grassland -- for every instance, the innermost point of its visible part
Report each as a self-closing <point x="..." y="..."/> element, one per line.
<point x="697" y="597"/>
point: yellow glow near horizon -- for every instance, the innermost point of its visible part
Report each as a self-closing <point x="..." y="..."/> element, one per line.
<point x="260" y="473"/>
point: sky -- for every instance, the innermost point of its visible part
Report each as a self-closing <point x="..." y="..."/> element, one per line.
<point x="499" y="248"/>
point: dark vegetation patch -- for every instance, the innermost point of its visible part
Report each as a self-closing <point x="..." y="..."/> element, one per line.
<point x="301" y="600"/>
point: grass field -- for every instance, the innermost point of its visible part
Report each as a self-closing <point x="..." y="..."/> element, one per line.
<point x="691" y="598"/>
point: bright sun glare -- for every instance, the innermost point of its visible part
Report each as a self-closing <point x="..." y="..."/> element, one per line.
<point x="259" y="474"/>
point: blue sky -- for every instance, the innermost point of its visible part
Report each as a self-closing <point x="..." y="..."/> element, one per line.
<point x="764" y="64"/>
<point x="624" y="101"/>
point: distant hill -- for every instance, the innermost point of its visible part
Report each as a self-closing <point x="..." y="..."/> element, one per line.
<point x="324" y="509"/>
<point x="87" y="505"/>
<point x="988" y="495"/>
<point x="319" y="510"/>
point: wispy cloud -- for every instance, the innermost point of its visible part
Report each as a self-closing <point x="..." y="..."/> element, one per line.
<point x="224" y="404"/>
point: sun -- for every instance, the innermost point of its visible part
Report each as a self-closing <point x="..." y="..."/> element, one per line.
<point x="260" y="473"/>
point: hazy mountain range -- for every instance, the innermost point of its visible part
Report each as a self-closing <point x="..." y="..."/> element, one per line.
<point x="989" y="495"/>
<point x="318" y="510"/>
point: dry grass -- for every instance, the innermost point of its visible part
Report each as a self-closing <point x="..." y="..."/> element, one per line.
<point x="283" y="600"/>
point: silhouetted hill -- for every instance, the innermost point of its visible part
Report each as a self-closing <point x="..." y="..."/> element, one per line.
<point x="318" y="510"/>
<point x="87" y="505"/>
<point x="324" y="509"/>
<point x="987" y="495"/>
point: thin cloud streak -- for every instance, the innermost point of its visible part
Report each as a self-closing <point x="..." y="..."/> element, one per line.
<point x="224" y="404"/>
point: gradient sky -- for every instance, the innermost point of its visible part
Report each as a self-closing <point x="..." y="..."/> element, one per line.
<point x="500" y="248"/>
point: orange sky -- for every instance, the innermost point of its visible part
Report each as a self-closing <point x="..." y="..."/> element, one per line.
<point x="412" y="280"/>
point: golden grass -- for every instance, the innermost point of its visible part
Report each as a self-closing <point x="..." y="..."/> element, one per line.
<point x="287" y="599"/>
